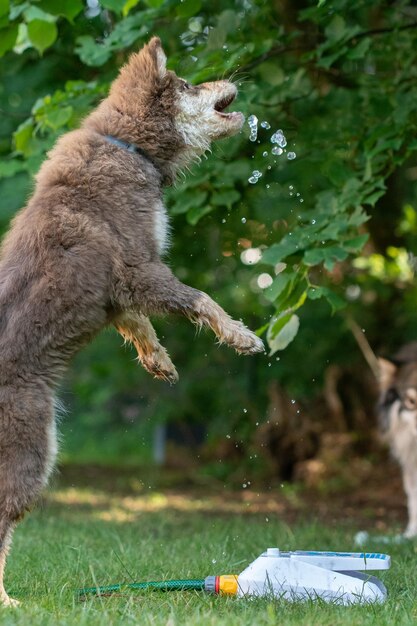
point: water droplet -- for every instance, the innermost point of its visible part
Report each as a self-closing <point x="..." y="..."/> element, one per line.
<point x="291" y="187"/>
<point x="214" y="561"/>
<point x="245" y="410"/>
<point x="253" y="125"/>
<point x="223" y="221"/>
<point x="292" y="401"/>
<point x="267" y="519"/>
<point x="268" y="186"/>
<point x="276" y="150"/>
<point x="227" y="436"/>
<point x="297" y="194"/>
<point x="256" y="175"/>
<point x="265" y="153"/>
<point x="301" y="200"/>
<point x="266" y="125"/>
<point x="279" y="138"/>
<point x="244" y="485"/>
<point x="291" y="156"/>
<point x="243" y="220"/>
<point x="313" y="221"/>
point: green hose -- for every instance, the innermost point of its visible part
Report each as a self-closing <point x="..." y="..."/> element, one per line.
<point x="159" y="585"/>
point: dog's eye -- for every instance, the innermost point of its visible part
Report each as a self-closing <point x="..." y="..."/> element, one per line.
<point x="410" y="399"/>
<point x="390" y="397"/>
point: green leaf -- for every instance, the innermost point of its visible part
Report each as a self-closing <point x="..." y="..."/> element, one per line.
<point x="66" y="8"/>
<point x="293" y="296"/>
<point x="35" y="13"/>
<point x="4" y="7"/>
<point x="282" y="331"/>
<point x="226" y="23"/>
<point x="90" y="52"/>
<point x="42" y="34"/>
<point x="190" y="199"/>
<point x="359" y="51"/>
<point x="279" y="251"/>
<point x="8" y="38"/>
<point x="330" y="256"/>
<point x="113" y="5"/>
<point x="22" y="135"/>
<point x="10" y="168"/>
<point x="335" y="301"/>
<point x="187" y="8"/>
<point x="336" y="28"/>
<point x="154" y="4"/>
<point x="225" y="197"/>
<point x="196" y="213"/>
<point x="13" y="193"/>
<point x="356" y="244"/>
<point x="130" y="4"/>
<point x="59" y="117"/>
<point x="278" y="286"/>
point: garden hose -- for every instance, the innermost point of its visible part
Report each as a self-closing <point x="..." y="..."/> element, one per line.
<point x="226" y="584"/>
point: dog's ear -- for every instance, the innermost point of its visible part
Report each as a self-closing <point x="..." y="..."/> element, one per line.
<point x="143" y="71"/>
<point x="387" y="371"/>
<point x="156" y="50"/>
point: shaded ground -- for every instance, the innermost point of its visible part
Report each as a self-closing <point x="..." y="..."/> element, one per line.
<point x="373" y="499"/>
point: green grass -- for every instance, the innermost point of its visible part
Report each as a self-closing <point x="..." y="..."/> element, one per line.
<point x="81" y="537"/>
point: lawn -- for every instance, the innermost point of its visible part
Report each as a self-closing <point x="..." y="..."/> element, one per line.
<point x="112" y="532"/>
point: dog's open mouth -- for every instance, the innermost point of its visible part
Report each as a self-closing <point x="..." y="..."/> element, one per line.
<point x="222" y="104"/>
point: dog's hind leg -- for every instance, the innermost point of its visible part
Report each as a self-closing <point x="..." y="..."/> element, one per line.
<point x="5" y="600"/>
<point x="27" y="451"/>
<point x="138" y="330"/>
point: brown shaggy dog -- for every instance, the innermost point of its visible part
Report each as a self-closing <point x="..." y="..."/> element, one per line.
<point x="86" y="253"/>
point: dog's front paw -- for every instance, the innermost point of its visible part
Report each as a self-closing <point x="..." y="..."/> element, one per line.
<point x="244" y="341"/>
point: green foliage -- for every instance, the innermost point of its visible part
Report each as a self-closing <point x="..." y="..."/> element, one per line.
<point x="339" y="79"/>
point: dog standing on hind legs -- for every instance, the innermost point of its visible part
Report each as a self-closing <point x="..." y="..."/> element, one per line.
<point x="86" y="253"/>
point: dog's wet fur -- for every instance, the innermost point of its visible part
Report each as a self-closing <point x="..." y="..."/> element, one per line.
<point x="86" y="252"/>
<point x="397" y="411"/>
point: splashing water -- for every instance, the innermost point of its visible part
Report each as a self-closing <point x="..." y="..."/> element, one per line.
<point x="266" y="125"/>
<point x="256" y="175"/>
<point x="279" y="138"/>
<point x="277" y="151"/>
<point x="291" y="156"/>
<point x="253" y="126"/>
